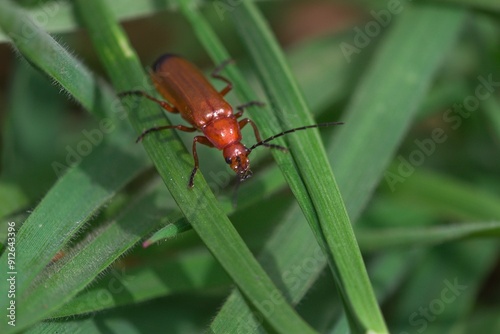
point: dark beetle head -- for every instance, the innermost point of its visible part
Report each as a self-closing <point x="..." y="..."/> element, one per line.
<point x="236" y="156"/>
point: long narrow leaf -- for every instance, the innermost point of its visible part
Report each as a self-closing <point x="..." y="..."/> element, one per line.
<point x="198" y="205"/>
<point x="52" y="224"/>
<point x="61" y="281"/>
<point x="354" y="150"/>
<point x="334" y="233"/>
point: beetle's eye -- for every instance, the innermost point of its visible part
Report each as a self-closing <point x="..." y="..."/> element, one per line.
<point x="228" y="161"/>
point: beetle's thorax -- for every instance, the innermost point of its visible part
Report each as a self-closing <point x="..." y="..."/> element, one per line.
<point x="223" y="132"/>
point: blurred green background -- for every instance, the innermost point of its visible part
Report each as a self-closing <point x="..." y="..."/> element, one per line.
<point x="427" y="223"/>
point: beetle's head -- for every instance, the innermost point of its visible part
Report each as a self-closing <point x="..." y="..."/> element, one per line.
<point x="236" y="156"/>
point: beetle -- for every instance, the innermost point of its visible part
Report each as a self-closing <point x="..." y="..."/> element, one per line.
<point x="190" y="94"/>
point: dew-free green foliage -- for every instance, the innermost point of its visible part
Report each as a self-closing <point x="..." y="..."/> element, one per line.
<point x="410" y="181"/>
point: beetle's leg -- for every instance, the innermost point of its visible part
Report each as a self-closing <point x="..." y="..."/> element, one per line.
<point x="165" y="127"/>
<point x="216" y="75"/>
<point x="246" y="121"/>
<point x="163" y="104"/>
<point x="202" y="140"/>
<point x="241" y="109"/>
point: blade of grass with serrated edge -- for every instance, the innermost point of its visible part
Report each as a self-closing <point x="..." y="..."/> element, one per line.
<point x="46" y="54"/>
<point x="422" y="24"/>
<point x="334" y="233"/>
<point x="273" y="64"/>
<point x="87" y="325"/>
<point x="62" y="212"/>
<point x="148" y="280"/>
<point x="61" y="281"/>
<point x="198" y="204"/>
<point x="58" y="16"/>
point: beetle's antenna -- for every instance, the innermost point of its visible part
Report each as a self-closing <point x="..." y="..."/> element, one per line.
<point x="320" y="125"/>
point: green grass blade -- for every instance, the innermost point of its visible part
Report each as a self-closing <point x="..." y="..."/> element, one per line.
<point x="51" y="225"/>
<point x="434" y="276"/>
<point x="294" y="272"/>
<point x="88" y="326"/>
<point x="169" y="315"/>
<point x="198" y="205"/>
<point x="46" y="54"/>
<point x="388" y="98"/>
<point x="62" y="213"/>
<point x="491" y="108"/>
<point x="264" y="118"/>
<point x="59" y="17"/>
<point x="358" y="159"/>
<point x="358" y="281"/>
<point x="207" y="38"/>
<point x="260" y="189"/>
<point x="152" y="279"/>
<point x="378" y="239"/>
<point x="30" y="138"/>
<point x="61" y="281"/>
<point x="334" y="233"/>
<point x="449" y="197"/>
<point x="12" y="198"/>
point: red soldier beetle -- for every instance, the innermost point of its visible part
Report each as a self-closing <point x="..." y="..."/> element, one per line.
<point x="189" y="93"/>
